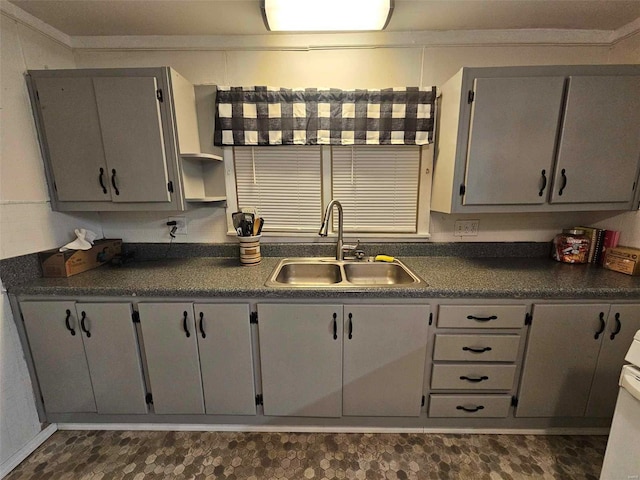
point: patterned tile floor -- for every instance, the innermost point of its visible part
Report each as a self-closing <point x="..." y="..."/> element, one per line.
<point x="95" y="455"/>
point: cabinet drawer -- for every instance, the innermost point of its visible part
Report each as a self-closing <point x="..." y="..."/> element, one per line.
<point x="476" y="348"/>
<point x="496" y="406"/>
<point x="481" y="316"/>
<point x="473" y="377"/>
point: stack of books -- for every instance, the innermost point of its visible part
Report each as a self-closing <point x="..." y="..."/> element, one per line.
<point x="600" y="240"/>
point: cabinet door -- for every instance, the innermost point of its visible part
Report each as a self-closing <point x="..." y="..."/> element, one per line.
<point x="171" y="350"/>
<point x="623" y="323"/>
<point x="226" y="360"/>
<point x="111" y="346"/>
<point x="600" y="141"/>
<point x="384" y="356"/>
<point x="301" y="359"/>
<point x="58" y="355"/>
<point x="512" y="140"/>
<point x="560" y="360"/>
<point x="69" y="116"/>
<point x="133" y="138"/>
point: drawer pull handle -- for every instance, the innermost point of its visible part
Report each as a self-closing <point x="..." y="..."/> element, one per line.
<point x="184" y="324"/>
<point x="618" y="326"/>
<point x="113" y="181"/>
<point x="66" y="322"/>
<point x="602" y="326"/>
<point x="564" y="181"/>
<point x="474" y="379"/>
<point x="470" y="410"/>
<point x="101" y="180"/>
<point x="83" y="326"/>
<point x="544" y="183"/>
<point x="350" y="326"/>
<point x="335" y="326"/>
<point x="204" y="335"/>
<point x="482" y="319"/>
<point x="476" y="350"/>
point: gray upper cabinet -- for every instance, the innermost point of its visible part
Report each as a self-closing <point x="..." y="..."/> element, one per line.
<point x="548" y="138"/>
<point x="600" y="141"/>
<point x="129" y="113"/>
<point x="112" y="139"/>
<point x="523" y="113"/>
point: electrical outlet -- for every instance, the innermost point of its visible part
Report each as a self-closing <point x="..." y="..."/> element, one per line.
<point x="181" y="225"/>
<point x="466" y="228"/>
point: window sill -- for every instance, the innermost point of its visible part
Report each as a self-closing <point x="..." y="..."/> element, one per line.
<point x="283" y="237"/>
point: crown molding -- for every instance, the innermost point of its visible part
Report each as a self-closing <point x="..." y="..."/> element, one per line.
<point x="347" y="40"/>
<point x="626" y="31"/>
<point x="16" y="14"/>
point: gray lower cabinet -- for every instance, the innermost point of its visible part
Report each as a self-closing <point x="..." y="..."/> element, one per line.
<point x="86" y="356"/>
<point x="622" y="324"/>
<point x="226" y="359"/>
<point x="171" y="350"/>
<point x="333" y="360"/>
<point x="199" y="358"/>
<point x="561" y="358"/>
<point x="384" y="358"/>
<point x="301" y="359"/>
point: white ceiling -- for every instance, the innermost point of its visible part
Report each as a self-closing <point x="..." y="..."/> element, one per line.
<point x="243" y="17"/>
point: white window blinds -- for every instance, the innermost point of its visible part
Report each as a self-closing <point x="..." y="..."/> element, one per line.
<point x="284" y="183"/>
<point x="378" y="187"/>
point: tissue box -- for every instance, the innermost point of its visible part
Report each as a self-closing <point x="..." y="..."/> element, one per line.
<point x="623" y="259"/>
<point x="64" y="264"/>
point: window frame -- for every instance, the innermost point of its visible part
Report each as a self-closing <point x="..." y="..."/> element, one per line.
<point x="423" y="213"/>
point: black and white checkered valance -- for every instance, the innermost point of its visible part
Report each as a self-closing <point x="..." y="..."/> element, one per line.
<point x="311" y="116"/>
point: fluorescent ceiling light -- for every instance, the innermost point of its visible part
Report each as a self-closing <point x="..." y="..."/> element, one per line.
<point x="326" y="15"/>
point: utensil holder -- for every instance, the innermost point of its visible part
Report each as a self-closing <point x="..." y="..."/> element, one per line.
<point x="250" y="250"/>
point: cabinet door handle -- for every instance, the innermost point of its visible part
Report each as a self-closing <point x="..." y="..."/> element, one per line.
<point x="618" y="326"/>
<point x="68" y="324"/>
<point x="204" y="335"/>
<point x="474" y="379"/>
<point x="564" y="181"/>
<point x="335" y="326"/>
<point x="470" y="410"/>
<point x="482" y="319"/>
<point x="101" y="180"/>
<point x="602" y="326"/>
<point x="184" y="324"/>
<point x="476" y="350"/>
<point x="350" y="326"/>
<point x="544" y="183"/>
<point x="83" y="326"/>
<point x="113" y="181"/>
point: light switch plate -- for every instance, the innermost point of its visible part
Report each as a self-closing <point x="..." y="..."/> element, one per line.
<point x="464" y="228"/>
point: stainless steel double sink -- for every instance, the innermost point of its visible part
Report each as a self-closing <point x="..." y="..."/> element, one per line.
<point x="332" y="273"/>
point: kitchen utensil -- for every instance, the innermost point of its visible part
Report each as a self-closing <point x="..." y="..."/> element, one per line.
<point x="260" y="222"/>
<point x="237" y="218"/>
<point x="248" y="220"/>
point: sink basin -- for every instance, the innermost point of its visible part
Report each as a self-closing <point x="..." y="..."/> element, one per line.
<point x="331" y="273"/>
<point x="309" y="274"/>
<point x="377" y="274"/>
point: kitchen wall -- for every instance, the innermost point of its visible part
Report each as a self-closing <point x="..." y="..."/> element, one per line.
<point x="26" y="222"/>
<point x="348" y="67"/>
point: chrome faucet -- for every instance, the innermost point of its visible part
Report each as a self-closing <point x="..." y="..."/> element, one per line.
<point x="341" y="248"/>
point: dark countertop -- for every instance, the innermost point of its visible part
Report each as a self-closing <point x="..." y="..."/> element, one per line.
<point x="452" y="277"/>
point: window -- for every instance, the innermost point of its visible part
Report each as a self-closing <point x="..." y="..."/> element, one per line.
<point x="384" y="190"/>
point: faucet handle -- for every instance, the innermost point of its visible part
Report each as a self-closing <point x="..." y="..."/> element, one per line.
<point x="354" y="250"/>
